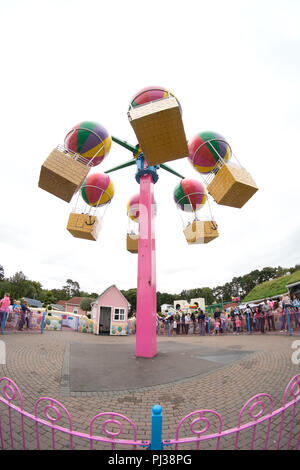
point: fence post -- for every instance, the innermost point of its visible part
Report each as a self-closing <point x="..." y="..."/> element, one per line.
<point x="3" y="321"/>
<point x="249" y="329"/>
<point x="208" y="326"/>
<point x="43" y="323"/>
<point x="168" y="327"/>
<point x="77" y="324"/>
<point x="288" y="319"/>
<point x="156" y="429"/>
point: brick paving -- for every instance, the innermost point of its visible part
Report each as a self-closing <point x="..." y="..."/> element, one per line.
<point x="35" y="363"/>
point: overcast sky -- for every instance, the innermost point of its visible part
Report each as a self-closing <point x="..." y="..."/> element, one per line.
<point x="235" y="68"/>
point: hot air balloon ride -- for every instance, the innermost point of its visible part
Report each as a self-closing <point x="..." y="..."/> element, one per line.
<point x="96" y="192"/>
<point x="64" y="171"/>
<point x="155" y="116"/>
<point x="227" y="181"/>
<point x="190" y="196"/>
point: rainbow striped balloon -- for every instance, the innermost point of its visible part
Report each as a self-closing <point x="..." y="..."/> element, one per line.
<point x="151" y="93"/>
<point x="90" y="140"/>
<point x="97" y="189"/>
<point x="205" y="150"/>
<point x="190" y="195"/>
<point x="133" y="208"/>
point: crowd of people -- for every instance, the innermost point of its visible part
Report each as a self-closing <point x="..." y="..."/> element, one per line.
<point x="270" y="315"/>
<point x="15" y="310"/>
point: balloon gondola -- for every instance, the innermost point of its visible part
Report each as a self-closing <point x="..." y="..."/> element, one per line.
<point x="227" y="181"/>
<point x="96" y="192"/>
<point x="190" y="196"/>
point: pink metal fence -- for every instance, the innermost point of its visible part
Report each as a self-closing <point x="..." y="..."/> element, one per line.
<point x="51" y="426"/>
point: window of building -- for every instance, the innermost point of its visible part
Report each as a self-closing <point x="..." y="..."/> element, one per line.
<point x="119" y="314"/>
<point x="75" y="310"/>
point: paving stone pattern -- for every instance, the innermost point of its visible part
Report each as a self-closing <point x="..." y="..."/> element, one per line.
<point x="37" y="364"/>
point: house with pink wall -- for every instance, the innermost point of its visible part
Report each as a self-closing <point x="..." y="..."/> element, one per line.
<point x="110" y="313"/>
<point x="73" y="305"/>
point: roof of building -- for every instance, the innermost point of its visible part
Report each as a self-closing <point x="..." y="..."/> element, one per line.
<point x="33" y="302"/>
<point x="74" y="301"/>
<point x="110" y="287"/>
<point x="59" y="307"/>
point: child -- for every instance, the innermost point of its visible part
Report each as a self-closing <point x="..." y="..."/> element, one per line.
<point x="174" y="327"/>
<point x="238" y="324"/>
<point x="217" y="326"/>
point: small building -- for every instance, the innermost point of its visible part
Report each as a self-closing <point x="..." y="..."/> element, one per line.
<point x="73" y="305"/>
<point x="62" y="304"/>
<point x="165" y="307"/>
<point x="110" y="312"/>
<point x="33" y="302"/>
<point x="294" y="288"/>
<point x="179" y="304"/>
<point x="200" y="302"/>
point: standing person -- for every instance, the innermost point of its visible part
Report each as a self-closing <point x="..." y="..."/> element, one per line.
<point x="238" y="324"/>
<point x="217" y="326"/>
<point x="270" y="317"/>
<point x="182" y="322"/>
<point x="193" y="320"/>
<point x="296" y="305"/>
<point x="255" y="320"/>
<point x="217" y="317"/>
<point x="223" y="322"/>
<point x="261" y="318"/>
<point x="249" y="315"/>
<point x="4" y="304"/>
<point x="24" y="310"/>
<point x="232" y="318"/>
<point x="217" y="314"/>
<point x="177" y="318"/>
<point x="282" y="315"/>
<point x="187" y="320"/>
<point x="174" y="327"/>
<point x="201" y="321"/>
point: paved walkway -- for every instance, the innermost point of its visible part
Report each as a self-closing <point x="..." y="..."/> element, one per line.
<point x="36" y="363"/>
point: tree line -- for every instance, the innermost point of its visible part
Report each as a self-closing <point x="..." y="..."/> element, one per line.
<point x="20" y="286"/>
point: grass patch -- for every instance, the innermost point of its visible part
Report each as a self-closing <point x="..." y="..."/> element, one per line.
<point x="274" y="287"/>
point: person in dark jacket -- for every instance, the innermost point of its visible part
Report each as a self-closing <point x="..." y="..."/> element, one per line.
<point x="24" y="310"/>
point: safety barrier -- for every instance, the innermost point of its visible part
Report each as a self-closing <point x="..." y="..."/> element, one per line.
<point x="51" y="426"/>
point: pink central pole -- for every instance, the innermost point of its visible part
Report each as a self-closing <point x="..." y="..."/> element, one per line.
<point x="146" y="283"/>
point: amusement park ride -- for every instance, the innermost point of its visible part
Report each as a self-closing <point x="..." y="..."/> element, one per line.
<point x="156" y="118"/>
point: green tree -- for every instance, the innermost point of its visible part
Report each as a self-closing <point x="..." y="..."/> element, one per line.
<point x="72" y="288"/>
<point x="1" y="272"/>
<point x="85" y="304"/>
<point x="130" y="295"/>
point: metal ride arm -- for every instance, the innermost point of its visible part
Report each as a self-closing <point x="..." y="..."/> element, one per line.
<point x="167" y="168"/>
<point x="124" y="165"/>
<point x="133" y="149"/>
<point x="124" y="144"/>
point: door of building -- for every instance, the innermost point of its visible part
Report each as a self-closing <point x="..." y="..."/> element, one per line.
<point x="104" y="320"/>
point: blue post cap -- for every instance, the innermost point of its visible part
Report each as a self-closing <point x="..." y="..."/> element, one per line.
<point x="157" y="409"/>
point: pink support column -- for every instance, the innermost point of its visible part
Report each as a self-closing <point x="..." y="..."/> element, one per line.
<point x="146" y="284"/>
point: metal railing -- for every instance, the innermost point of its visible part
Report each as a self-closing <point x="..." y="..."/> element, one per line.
<point x="51" y="426"/>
